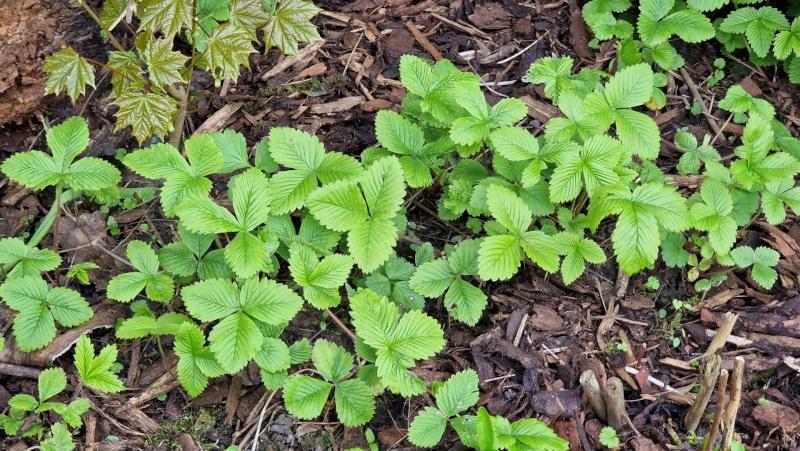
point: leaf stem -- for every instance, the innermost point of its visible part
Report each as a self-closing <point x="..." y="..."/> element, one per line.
<point x="180" y="117"/>
<point x="341" y="325"/>
<point x="94" y="17"/>
<point x="50" y="218"/>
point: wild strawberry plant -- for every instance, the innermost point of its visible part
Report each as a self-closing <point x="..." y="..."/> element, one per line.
<point x="335" y="222"/>
<point x="763" y="30"/>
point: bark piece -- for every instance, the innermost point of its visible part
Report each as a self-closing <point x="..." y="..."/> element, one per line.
<point x="29" y="31"/>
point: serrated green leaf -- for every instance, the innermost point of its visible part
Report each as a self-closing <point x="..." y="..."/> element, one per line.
<point x="305" y="396"/>
<point x="227" y="49"/>
<point x="23" y="261"/>
<point x="164" y="65"/>
<point x="196" y="362"/>
<point x="68" y="72"/>
<point x="39" y="306"/>
<point x="465" y="302"/>
<point x="354" y="402"/>
<point x="147" y="114"/>
<point x="95" y="371"/>
<point x="167" y="17"/>
<point x="290" y="25"/>
<point x="458" y="393"/>
<point x="427" y="428"/>
<point x="51" y="382"/>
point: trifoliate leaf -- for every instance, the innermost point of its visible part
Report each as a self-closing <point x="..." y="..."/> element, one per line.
<point x="124" y="287"/>
<point x="712" y="215"/>
<point x="776" y="194"/>
<point x="788" y="42"/>
<point x="36" y="170"/>
<point x="20" y="260"/>
<point x="758" y="25"/>
<point x="592" y="167"/>
<point x="737" y="100"/>
<point x="68" y="72"/>
<point x="636" y="236"/>
<point x="95" y="371"/>
<point x="398" y="340"/>
<point x="577" y="250"/>
<point x="554" y="72"/>
<point x="236" y="339"/>
<point x="39" y="306"/>
<point x="365" y="209"/>
<point x="762" y="259"/>
<point x="320" y="280"/>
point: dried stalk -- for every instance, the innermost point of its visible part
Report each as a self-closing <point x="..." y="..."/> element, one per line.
<point x="722" y="385"/>
<point x="733" y="405"/>
<point x="723" y="332"/>
<point x="616" y="414"/>
<point x="707" y="381"/>
<point x="591" y="387"/>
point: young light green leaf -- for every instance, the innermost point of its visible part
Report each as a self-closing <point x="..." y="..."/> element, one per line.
<point x="95" y="371"/>
<point x="68" y="72"/>
<point x="25" y="261"/>
<point x="398" y="340"/>
<point x="147" y="114"/>
<point x="290" y="25"/>
<point x="762" y="259"/>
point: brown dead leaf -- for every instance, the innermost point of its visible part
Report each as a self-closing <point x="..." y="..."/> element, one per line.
<point x="638" y="302"/>
<point x="557" y="403"/>
<point x="777" y="415"/>
<point x="546" y="318"/>
<point x="312" y="71"/>
<point x="490" y="16"/>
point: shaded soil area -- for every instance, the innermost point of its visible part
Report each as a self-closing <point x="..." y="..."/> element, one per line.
<point x="536" y="337"/>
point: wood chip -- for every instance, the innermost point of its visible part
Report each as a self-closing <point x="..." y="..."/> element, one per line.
<point x="717" y="300"/>
<point x="423" y="40"/>
<point x="371" y="106"/>
<point x="312" y="71"/>
<point x="219" y="119"/>
<point x="538" y="110"/>
<point x="305" y="54"/>
<point x="337" y="106"/>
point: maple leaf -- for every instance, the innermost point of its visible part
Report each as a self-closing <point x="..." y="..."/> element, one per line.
<point x="68" y="72"/>
<point x="291" y="25"/>
<point x="146" y="114"/>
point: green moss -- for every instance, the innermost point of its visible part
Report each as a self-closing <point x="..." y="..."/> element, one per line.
<point x="197" y="422"/>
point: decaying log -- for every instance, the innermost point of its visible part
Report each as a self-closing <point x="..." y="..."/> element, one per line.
<point x="29" y="31"/>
